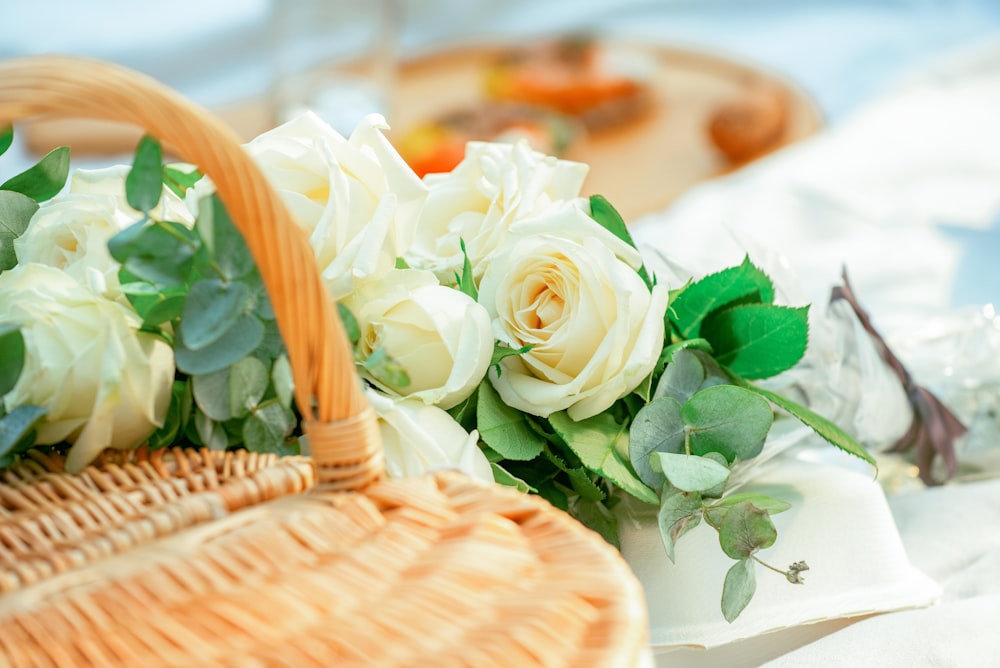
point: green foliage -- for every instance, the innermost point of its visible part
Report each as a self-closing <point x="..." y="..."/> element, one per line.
<point x="45" y="179"/>
<point x="466" y="282"/>
<point x="609" y="218"/>
<point x="178" y="180"/>
<point x="16" y="211"/>
<point x="17" y="430"/>
<point x="735" y="285"/>
<point x="758" y="340"/>
<point x="738" y="589"/>
<point x="11" y="356"/>
<point x="679" y="513"/>
<point x="6" y="137"/>
<point x="505" y="429"/>
<point x="144" y="183"/>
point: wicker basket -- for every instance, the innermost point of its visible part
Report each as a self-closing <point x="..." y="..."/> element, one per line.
<point x="207" y="558"/>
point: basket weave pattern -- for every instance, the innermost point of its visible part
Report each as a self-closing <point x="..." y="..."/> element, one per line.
<point x="206" y="558"/>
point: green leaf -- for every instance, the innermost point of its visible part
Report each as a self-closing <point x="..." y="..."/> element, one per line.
<point x="727" y="419"/>
<point x="503" y="477"/>
<point x="502" y="351"/>
<point x="595" y="516"/>
<point x="828" y="430"/>
<point x="239" y="341"/>
<point x="351" y="327"/>
<point x="223" y="242"/>
<point x="385" y="369"/>
<point x="144" y="183"/>
<point x="717" y="511"/>
<point x="505" y="429"/>
<point x="684" y="376"/>
<point x="679" y="513"/>
<point x="248" y="381"/>
<point x="44" y="180"/>
<point x="160" y="252"/>
<point x="746" y="529"/>
<point x="281" y="378"/>
<point x="600" y="442"/>
<point x="730" y="286"/>
<point x="177" y="415"/>
<point x="180" y="181"/>
<point x="17" y="430"/>
<point x="758" y="340"/>
<point x="16" y="211"/>
<point x="211" y="394"/>
<point x="656" y="428"/>
<point x="210" y="310"/>
<point x="11" y="356"/>
<point x="467" y="282"/>
<point x="738" y="589"/>
<point x="690" y="473"/>
<point x="267" y="428"/>
<point x="609" y="218"/>
<point x="6" y="138"/>
<point x="212" y="434"/>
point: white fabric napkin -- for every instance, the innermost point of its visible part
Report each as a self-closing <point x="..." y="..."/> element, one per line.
<point x="840" y="524"/>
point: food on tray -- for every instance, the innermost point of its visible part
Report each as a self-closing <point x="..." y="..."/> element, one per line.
<point x="745" y="128"/>
<point x="602" y="85"/>
<point x="438" y="145"/>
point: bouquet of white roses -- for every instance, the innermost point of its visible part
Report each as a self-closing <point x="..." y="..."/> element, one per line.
<point x="502" y="324"/>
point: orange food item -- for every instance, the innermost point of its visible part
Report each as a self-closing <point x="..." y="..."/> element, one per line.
<point x="748" y="127"/>
<point x="573" y="76"/>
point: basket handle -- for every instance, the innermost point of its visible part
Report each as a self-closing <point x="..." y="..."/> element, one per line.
<point x="342" y="428"/>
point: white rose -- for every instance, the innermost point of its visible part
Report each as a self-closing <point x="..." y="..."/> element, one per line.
<point x="439" y="336"/>
<point x="357" y="198"/>
<point x="71" y="233"/>
<point x="417" y="438"/>
<point x="494" y="186"/>
<point x="111" y="181"/>
<point x="104" y="383"/>
<point x="567" y="287"/>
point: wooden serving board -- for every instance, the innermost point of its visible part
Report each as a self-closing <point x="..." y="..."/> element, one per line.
<point x="641" y="167"/>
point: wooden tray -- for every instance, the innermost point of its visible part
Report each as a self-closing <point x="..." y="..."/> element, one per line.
<point x="641" y="168"/>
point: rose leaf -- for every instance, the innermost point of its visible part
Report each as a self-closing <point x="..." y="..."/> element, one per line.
<point x="16" y="211"/>
<point x="758" y="340"/>
<point x="504" y="428"/>
<point x="144" y="183"/>
<point x="6" y="138"/>
<point x="736" y="285"/>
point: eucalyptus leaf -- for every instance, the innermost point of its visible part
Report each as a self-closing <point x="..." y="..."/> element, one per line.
<point x="159" y="252"/>
<point x="11" y="356"/>
<point x="281" y="378"/>
<point x="223" y="242"/>
<point x="17" y="429"/>
<point x="144" y="183"/>
<point x="746" y="529"/>
<point x="16" y="211"/>
<point x="504" y="428"/>
<point x="738" y="589"/>
<point x="690" y="473"/>
<point x="180" y="181"/>
<point x="6" y="137"/>
<point x="237" y="342"/>
<point x="211" y="394"/>
<point x="267" y="429"/>
<point x="682" y="378"/>
<point x="729" y="420"/>
<point x="734" y="285"/>
<point x="248" y="381"/>
<point x="715" y="513"/>
<point x="656" y="428"/>
<point x="210" y="432"/>
<point x="45" y="179"/>
<point x="597" y="441"/>
<point x="758" y="340"/>
<point x="679" y="513"/>
<point x="211" y="309"/>
<point x="828" y="430"/>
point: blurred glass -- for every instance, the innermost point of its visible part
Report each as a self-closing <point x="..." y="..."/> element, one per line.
<point x="336" y="58"/>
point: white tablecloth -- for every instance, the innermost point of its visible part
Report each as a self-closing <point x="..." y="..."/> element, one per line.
<point x="903" y="188"/>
